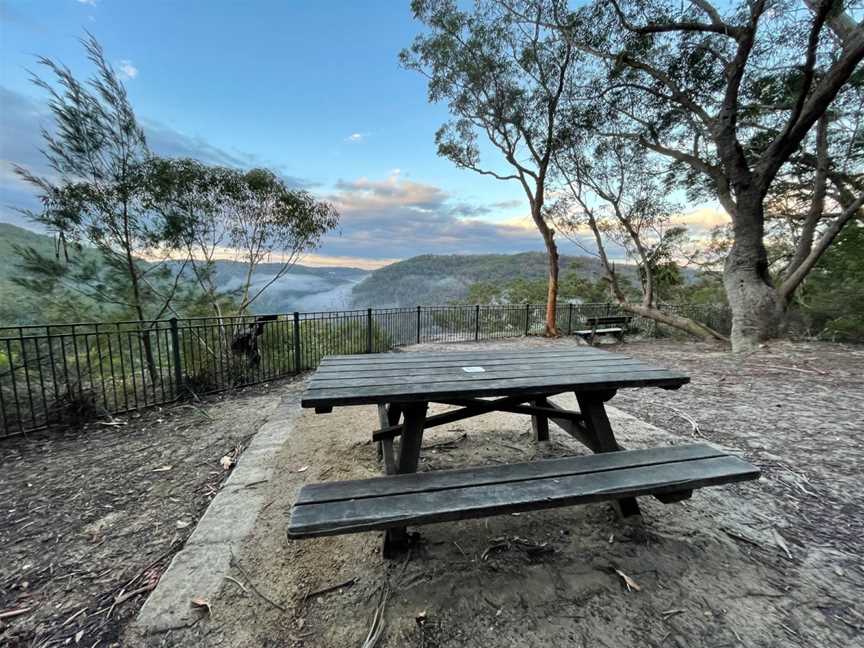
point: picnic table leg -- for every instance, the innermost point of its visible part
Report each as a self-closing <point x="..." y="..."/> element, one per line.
<point x="540" y="424"/>
<point x="591" y="405"/>
<point x="397" y="540"/>
<point x="388" y="414"/>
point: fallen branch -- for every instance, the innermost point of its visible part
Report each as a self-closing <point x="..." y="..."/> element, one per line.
<point x="377" y="621"/>
<point x="785" y="368"/>
<point x="693" y="424"/>
<point x="238" y="583"/>
<point x="122" y="598"/>
<point x="8" y="614"/>
<point x="235" y="563"/>
<point x="331" y="588"/>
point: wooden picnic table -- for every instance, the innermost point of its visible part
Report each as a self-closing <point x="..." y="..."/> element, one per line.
<point x="478" y="382"/>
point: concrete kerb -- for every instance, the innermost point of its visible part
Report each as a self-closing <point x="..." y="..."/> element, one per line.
<point x="199" y="569"/>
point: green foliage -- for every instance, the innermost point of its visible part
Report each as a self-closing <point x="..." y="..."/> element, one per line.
<point x="833" y="296"/>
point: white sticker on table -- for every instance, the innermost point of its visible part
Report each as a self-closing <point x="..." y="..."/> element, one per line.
<point x="473" y="369"/>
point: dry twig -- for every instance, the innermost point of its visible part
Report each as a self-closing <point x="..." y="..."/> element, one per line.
<point x="235" y="563"/>
<point x="377" y="620"/>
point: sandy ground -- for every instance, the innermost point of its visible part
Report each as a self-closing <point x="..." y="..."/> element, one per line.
<point x="769" y="563"/>
<point x="93" y="516"/>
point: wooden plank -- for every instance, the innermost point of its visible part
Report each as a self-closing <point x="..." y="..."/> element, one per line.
<point x="492" y="355"/>
<point x="452" y="375"/>
<point x="472" y="389"/>
<point x="356" y="515"/>
<point x="443" y="361"/>
<point x="443" y="367"/>
<point x="463" y="477"/>
<point x="563" y="373"/>
<point x="469" y="409"/>
<point x="414" y="372"/>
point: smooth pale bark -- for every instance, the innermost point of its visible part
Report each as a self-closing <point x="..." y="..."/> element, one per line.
<point x="755" y="304"/>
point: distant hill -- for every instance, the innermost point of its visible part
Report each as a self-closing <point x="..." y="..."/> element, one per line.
<point x="437" y="279"/>
<point x="304" y="288"/>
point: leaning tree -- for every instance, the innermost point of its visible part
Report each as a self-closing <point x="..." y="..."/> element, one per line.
<point x="691" y="81"/>
<point x="616" y="190"/>
<point x="504" y="79"/>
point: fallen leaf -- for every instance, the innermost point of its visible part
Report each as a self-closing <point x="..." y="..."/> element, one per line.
<point x="201" y="603"/>
<point x="303" y="469"/>
<point x="780" y="541"/>
<point x="420" y="618"/>
<point x="227" y="461"/>
<point x="628" y="582"/>
<point x="78" y="636"/>
<point x="163" y="469"/>
<point x="182" y="524"/>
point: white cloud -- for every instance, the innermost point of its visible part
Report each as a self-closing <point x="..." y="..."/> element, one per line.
<point x="127" y="70"/>
<point x="91" y="3"/>
<point x="356" y="138"/>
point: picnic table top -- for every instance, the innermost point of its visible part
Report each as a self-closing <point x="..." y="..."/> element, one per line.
<point x="406" y="377"/>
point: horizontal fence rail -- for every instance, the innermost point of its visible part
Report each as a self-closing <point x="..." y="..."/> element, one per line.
<point x="70" y="373"/>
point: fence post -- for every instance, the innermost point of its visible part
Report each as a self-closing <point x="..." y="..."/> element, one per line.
<point x="476" y="322"/>
<point x="296" y="342"/>
<point x="368" y="330"/>
<point x="175" y="352"/>
<point x="527" y="317"/>
<point x="418" y="325"/>
<point x="570" y="320"/>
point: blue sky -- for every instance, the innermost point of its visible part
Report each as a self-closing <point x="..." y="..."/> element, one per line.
<point x="312" y="90"/>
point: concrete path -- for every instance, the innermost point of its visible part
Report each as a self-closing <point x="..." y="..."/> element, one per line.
<point x="199" y="569"/>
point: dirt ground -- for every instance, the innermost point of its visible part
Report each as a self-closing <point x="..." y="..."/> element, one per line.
<point x="770" y="563"/>
<point x="94" y="514"/>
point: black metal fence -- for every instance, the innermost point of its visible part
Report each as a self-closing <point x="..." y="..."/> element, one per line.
<point x="67" y="373"/>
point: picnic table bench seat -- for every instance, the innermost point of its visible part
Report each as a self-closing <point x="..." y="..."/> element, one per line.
<point x="668" y="473"/>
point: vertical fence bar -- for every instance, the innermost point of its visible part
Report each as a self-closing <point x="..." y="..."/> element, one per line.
<point x="175" y="354"/>
<point x="296" y="343"/>
<point x="476" y="322"/>
<point x="368" y="330"/>
<point x="527" y="317"/>
<point x="418" y="325"/>
<point x="570" y="320"/>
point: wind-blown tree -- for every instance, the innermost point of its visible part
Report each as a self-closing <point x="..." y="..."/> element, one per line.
<point x="249" y="216"/>
<point x="192" y="194"/>
<point x="686" y="81"/>
<point x="504" y="79"/>
<point x="614" y="190"/>
<point x="94" y="197"/>
<point x="267" y="221"/>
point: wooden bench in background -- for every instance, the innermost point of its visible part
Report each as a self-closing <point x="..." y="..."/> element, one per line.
<point x="605" y="325"/>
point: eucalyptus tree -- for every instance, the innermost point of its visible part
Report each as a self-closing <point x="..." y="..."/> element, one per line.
<point x="503" y="78"/>
<point x="698" y="84"/>
<point x="251" y="217"/>
<point x="615" y="190"/>
<point x="268" y="221"/>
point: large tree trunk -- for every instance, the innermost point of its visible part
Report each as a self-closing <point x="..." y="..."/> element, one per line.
<point x="552" y="290"/>
<point x="756" y="306"/>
